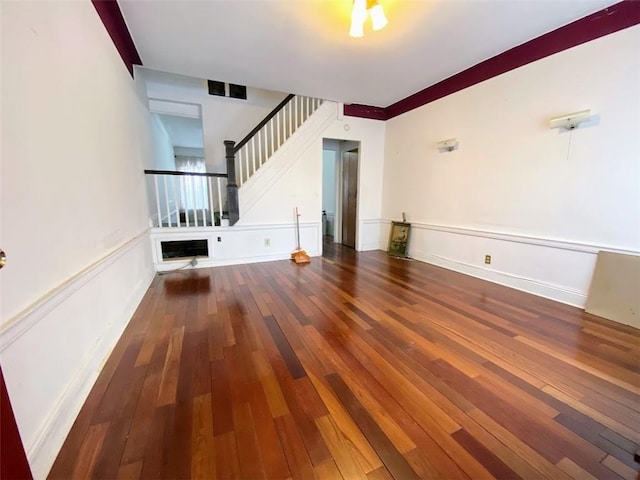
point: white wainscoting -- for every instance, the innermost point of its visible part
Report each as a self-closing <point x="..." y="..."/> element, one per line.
<point x="557" y="269"/>
<point x="370" y="235"/>
<point x="240" y="244"/>
<point x="53" y="351"/>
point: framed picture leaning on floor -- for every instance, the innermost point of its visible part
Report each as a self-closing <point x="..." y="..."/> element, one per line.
<point x="399" y="239"/>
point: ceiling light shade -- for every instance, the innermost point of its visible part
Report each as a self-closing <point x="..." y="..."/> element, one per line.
<point x="359" y="12"/>
<point x="357" y="29"/>
<point x="378" y="18"/>
<point x="358" y="17"/>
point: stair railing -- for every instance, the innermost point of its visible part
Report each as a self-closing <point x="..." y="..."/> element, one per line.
<point x="183" y="199"/>
<point x="249" y="154"/>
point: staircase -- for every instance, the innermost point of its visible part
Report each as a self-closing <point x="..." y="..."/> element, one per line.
<point x="252" y="152"/>
<point x="269" y="135"/>
<point x="216" y="197"/>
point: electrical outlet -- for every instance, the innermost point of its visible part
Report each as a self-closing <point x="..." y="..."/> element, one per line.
<point x="267" y="242"/>
<point x="219" y="239"/>
<point x="487" y="259"/>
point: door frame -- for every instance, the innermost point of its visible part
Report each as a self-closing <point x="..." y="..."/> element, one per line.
<point x="346" y="146"/>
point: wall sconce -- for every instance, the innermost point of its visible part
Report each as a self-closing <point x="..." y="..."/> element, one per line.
<point x="359" y="16"/>
<point x="448" y="145"/>
<point x="571" y="121"/>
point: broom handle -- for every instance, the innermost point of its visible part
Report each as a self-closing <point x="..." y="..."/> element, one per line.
<point x="298" y="227"/>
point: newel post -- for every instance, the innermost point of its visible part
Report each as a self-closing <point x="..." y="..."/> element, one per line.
<point x="232" y="186"/>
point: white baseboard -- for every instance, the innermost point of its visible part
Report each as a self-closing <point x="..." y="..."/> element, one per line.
<point x="372" y="246"/>
<point x="529" y="285"/>
<point x="44" y="422"/>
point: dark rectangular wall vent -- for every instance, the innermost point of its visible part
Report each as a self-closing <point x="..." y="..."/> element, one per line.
<point x="216" y="88"/>
<point x="237" y="91"/>
<point x="184" y="249"/>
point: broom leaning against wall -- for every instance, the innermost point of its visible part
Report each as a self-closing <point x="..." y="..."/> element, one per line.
<point x="299" y="255"/>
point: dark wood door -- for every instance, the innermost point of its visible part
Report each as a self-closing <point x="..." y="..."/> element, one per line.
<point x="349" y="197"/>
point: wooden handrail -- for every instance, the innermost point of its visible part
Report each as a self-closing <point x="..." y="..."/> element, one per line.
<point x="187" y="174"/>
<point x="266" y="119"/>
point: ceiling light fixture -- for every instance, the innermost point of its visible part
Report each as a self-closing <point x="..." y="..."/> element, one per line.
<point x="359" y="16"/>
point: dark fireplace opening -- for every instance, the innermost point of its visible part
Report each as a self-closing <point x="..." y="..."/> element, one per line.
<point x="184" y="249"/>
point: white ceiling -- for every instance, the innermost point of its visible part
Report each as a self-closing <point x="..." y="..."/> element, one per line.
<point x="302" y="46"/>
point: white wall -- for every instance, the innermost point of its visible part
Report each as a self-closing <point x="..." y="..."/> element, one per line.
<point x="298" y="178"/>
<point x="183" y="131"/>
<point x="189" y="152"/>
<point x="74" y="216"/>
<point x="540" y="201"/>
<point x="162" y="158"/>
<point x="223" y="118"/>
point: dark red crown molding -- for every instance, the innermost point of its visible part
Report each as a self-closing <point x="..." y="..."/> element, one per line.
<point x="365" y="111"/>
<point x="111" y="16"/>
<point x="609" y="20"/>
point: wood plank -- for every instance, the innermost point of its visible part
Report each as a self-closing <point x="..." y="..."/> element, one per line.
<point x="348" y="466"/>
<point x="293" y="363"/>
<point x="365" y="454"/>
<point x="293" y="446"/>
<point x="392" y="458"/>
<point x="249" y="455"/>
<point x="221" y="399"/>
<point x="575" y="471"/>
<point x="273" y="392"/>
<point x="273" y="459"/>
<point x="90" y="450"/>
<point x="227" y="459"/>
<point x="203" y="464"/>
<point x="169" y="378"/>
<point x="491" y="462"/>
<point x="130" y="471"/>
<point x="624" y="471"/>
<point x="155" y="454"/>
<point x="327" y="471"/>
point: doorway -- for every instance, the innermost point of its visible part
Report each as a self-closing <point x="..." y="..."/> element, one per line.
<point x="340" y="192"/>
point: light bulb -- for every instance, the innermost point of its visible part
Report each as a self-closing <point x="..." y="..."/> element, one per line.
<point x="357" y="29"/>
<point x="358" y="17"/>
<point x="378" y="18"/>
<point x="359" y="11"/>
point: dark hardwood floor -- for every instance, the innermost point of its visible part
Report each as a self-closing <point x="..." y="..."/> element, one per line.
<point x="358" y="366"/>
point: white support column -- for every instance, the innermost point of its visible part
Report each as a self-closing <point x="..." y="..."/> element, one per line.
<point x="166" y="198"/>
<point x="155" y="181"/>
<point x="211" y="207"/>
<point x="290" y="118"/>
<point x="203" y="183"/>
<point x="278" y="127"/>
<point x="219" y="199"/>
<point x="253" y="159"/>
<point x="178" y="192"/>
<point x="184" y="189"/>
